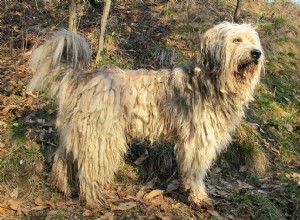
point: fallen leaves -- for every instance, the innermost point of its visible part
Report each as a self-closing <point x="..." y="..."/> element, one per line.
<point x="14" y="194"/>
<point x="39" y="208"/>
<point x="39" y="167"/>
<point x="289" y="128"/>
<point x="11" y="205"/>
<point x="106" y="216"/>
<point x="294" y="176"/>
<point x="5" y="110"/>
<point x="123" y="206"/>
<point x="153" y="194"/>
<point x="20" y="205"/>
<point x="140" y="194"/>
<point x="87" y="213"/>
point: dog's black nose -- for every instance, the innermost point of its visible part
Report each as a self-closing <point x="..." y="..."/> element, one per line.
<point x="255" y="54"/>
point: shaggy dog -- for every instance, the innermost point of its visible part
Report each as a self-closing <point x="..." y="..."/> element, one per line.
<point x="100" y="111"/>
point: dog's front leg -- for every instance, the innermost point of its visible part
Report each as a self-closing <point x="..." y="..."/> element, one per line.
<point x="193" y="162"/>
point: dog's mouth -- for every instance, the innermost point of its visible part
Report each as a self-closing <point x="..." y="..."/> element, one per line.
<point x="247" y="65"/>
<point x="245" y="70"/>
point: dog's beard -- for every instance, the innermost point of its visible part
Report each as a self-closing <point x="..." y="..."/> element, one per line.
<point x="246" y="70"/>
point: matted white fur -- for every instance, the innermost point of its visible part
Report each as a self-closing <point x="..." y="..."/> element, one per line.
<point x="101" y="111"/>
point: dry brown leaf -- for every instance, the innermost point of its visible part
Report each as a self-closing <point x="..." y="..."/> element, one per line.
<point x="39" y="167"/>
<point x="153" y="194"/>
<point x="70" y="202"/>
<point x="25" y="211"/>
<point x="14" y="106"/>
<point x="141" y="192"/>
<point x="17" y="13"/>
<point x="12" y="204"/>
<point x="294" y="176"/>
<point x="50" y="203"/>
<point x="157" y="201"/>
<point x="39" y="208"/>
<point x="14" y="194"/>
<point x="60" y="204"/>
<point x="19" y="210"/>
<point x="13" y="83"/>
<point x="5" y="110"/>
<point x="2" y="209"/>
<point x="276" y="152"/>
<point x="165" y="206"/>
<point x="39" y="201"/>
<point x="29" y="101"/>
<point x="123" y="206"/>
<point x="96" y="211"/>
<point x="175" y="206"/>
<point x="289" y="127"/>
<point x="254" y="126"/>
<point x="31" y="94"/>
<point x="106" y="216"/>
<point x="87" y="213"/>
<point x="3" y="124"/>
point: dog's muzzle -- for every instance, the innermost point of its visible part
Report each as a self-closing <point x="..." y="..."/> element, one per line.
<point x="255" y="54"/>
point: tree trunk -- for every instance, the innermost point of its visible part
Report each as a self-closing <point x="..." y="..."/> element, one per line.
<point x="106" y="10"/>
<point x="237" y="11"/>
<point x="72" y="15"/>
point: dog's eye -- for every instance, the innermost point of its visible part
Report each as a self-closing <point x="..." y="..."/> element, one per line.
<point x="237" y="40"/>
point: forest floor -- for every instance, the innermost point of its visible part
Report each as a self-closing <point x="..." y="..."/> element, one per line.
<point x="258" y="177"/>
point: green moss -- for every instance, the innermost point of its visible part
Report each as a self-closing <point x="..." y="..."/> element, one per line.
<point x="168" y="12"/>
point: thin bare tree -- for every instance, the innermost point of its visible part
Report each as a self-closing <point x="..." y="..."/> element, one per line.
<point x="72" y="15"/>
<point x="105" y="14"/>
<point x="237" y="11"/>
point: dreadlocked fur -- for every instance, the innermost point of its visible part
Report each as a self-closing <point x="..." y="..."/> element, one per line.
<point x="99" y="112"/>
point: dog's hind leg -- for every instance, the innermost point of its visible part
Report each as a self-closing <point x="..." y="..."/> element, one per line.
<point x="99" y="155"/>
<point x="59" y="175"/>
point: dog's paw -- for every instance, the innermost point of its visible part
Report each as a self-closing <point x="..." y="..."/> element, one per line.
<point x="200" y="203"/>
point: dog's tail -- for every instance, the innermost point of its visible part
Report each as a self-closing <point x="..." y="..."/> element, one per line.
<point x="52" y="61"/>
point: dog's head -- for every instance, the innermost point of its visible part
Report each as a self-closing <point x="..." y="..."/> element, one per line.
<point x="232" y="55"/>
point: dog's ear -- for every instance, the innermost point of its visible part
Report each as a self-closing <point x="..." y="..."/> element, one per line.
<point x="212" y="55"/>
